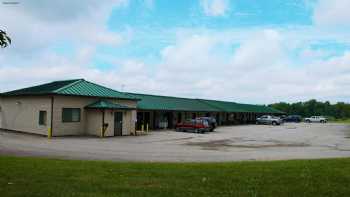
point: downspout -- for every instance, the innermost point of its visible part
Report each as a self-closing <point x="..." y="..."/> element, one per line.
<point x="103" y="123"/>
<point x="51" y="122"/>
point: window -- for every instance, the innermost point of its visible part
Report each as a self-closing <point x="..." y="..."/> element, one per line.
<point x="42" y="118"/>
<point x="71" y="115"/>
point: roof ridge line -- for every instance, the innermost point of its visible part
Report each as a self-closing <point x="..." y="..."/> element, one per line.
<point x="165" y="96"/>
<point x="217" y="100"/>
<point x="69" y="85"/>
<point x="124" y="93"/>
<point x="105" y="87"/>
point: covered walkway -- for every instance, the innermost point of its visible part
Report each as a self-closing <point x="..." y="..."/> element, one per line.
<point x="163" y="112"/>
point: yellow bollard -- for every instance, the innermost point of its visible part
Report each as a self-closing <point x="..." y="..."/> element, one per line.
<point x="49" y="133"/>
<point x="147" y="128"/>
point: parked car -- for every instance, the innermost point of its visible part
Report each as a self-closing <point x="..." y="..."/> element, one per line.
<point x="211" y="121"/>
<point x="283" y="117"/>
<point x="319" y="119"/>
<point x="293" y="118"/>
<point x="193" y="125"/>
<point x="267" y="119"/>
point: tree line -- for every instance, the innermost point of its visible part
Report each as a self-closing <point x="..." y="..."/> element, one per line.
<point x="5" y="40"/>
<point x="313" y="107"/>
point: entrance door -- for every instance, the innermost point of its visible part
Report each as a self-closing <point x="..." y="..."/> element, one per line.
<point x="118" y="123"/>
<point x="147" y="120"/>
<point x="139" y="122"/>
<point x="170" y="118"/>
<point x="218" y="118"/>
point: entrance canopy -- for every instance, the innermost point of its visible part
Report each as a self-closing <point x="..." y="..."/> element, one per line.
<point x="104" y="104"/>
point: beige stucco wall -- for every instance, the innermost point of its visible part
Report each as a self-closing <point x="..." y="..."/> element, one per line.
<point x="109" y="119"/>
<point x="129" y="122"/>
<point x="61" y="128"/>
<point x="94" y="122"/>
<point x="22" y="113"/>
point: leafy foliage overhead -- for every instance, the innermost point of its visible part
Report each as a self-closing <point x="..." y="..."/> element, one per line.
<point x="4" y="39"/>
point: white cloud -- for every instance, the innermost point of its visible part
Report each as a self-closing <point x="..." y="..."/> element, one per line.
<point x="261" y="70"/>
<point x="214" y="7"/>
<point x="258" y="72"/>
<point x="258" y="68"/>
<point x="35" y="25"/>
<point x="334" y="13"/>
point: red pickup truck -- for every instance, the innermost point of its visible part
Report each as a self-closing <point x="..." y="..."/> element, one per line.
<point x="193" y="125"/>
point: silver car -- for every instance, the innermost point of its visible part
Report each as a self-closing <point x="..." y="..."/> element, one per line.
<point x="268" y="119"/>
<point x="320" y="119"/>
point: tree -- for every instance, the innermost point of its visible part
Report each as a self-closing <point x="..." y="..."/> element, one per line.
<point x="313" y="107"/>
<point x="4" y="39"/>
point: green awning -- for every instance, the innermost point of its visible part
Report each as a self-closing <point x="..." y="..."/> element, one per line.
<point x="104" y="104"/>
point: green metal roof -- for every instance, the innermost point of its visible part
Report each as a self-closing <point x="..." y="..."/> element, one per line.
<point x="260" y="109"/>
<point x="76" y="87"/>
<point x="225" y="106"/>
<point x="103" y="104"/>
<point x="238" y="107"/>
<point x="167" y="103"/>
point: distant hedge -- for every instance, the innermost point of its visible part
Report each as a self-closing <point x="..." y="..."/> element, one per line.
<point x="313" y="107"/>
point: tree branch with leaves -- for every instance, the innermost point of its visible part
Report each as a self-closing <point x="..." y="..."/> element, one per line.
<point x="5" y="40"/>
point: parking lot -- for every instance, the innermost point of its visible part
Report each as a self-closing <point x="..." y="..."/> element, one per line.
<point x="231" y="143"/>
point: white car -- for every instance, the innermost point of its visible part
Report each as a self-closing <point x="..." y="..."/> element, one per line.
<point x="320" y="119"/>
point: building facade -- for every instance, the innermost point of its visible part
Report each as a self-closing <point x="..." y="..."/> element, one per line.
<point x="79" y="107"/>
<point x="63" y="108"/>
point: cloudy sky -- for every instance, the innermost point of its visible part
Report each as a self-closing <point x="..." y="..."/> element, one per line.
<point x="249" y="51"/>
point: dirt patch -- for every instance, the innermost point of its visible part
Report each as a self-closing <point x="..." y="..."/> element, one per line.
<point x="347" y="132"/>
<point x="173" y="140"/>
<point x="224" y="144"/>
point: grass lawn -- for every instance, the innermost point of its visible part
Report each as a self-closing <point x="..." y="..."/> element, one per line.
<point x="24" y="176"/>
<point x="344" y="121"/>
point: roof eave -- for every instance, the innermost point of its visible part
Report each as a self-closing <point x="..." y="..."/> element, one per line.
<point x="59" y="94"/>
<point x="111" y="108"/>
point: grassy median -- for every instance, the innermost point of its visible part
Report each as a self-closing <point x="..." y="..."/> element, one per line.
<point x="342" y="121"/>
<point x="23" y="176"/>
